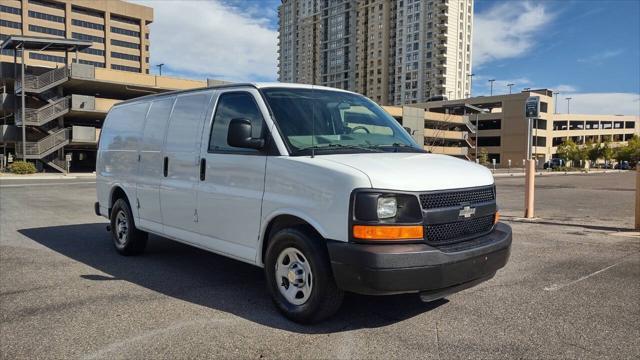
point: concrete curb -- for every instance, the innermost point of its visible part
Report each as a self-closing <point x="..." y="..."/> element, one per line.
<point x="47" y="176"/>
<point x="558" y="173"/>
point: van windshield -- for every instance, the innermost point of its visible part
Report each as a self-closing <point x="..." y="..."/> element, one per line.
<point x="335" y="122"/>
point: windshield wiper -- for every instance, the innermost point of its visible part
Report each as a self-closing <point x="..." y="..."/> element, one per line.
<point x="341" y="146"/>
<point x="397" y="146"/>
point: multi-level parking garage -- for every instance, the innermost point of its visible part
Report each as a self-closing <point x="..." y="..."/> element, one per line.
<point x="65" y="106"/>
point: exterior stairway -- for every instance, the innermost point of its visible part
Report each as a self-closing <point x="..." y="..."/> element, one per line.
<point x="41" y="116"/>
<point x="45" y="146"/>
<point x="37" y="84"/>
<point x="48" y="149"/>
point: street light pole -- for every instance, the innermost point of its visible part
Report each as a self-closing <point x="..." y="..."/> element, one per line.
<point x="471" y="84"/>
<point x="555" y="102"/>
<point x="160" y="68"/>
<point x="23" y="104"/>
<point x="510" y="86"/>
<point x="491" y="81"/>
<point x="568" y="108"/>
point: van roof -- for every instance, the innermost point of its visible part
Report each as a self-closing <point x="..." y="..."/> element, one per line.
<point x="257" y="85"/>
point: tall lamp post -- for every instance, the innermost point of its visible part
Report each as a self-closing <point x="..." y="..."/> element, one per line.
<point x="510" y="86"/>
<point x="160" y="68"/>
<point x="555" y="102"/>
<point x="491" y="81"/>
<point x="471" y="84"/>
<point x="568" y="102"/>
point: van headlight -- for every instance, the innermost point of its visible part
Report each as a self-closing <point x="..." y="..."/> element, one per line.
<point x="387" y="207"/>
<point x="381" y="206"/>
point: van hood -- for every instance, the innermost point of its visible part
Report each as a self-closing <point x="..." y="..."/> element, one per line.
<point x="415" y="172"/>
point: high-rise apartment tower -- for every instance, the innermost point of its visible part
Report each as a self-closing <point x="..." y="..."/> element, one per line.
<point x="393" y="51"/>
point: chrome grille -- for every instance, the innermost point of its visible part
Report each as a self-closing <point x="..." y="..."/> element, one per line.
<point x="440" y="234"/>
<point x="443" y="199"/>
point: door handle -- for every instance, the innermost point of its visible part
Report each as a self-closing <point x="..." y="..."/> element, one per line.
<point x="203" y="168"/>
<point x="165" y="167"/>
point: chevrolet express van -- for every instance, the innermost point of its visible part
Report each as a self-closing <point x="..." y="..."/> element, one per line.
<point x="320" y="187"/>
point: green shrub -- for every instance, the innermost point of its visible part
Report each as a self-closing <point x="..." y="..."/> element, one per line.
<point x="22" y="167"/>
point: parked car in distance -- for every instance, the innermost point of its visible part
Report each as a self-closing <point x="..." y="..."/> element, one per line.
<point x="318" y="186"/>
<point x="623" y="165"/>
<point x="554" y="163"/>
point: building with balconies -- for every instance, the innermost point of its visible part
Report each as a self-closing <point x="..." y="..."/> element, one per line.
<point x="502" y="130"/>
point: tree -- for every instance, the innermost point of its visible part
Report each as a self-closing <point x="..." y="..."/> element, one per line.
<point x="593" y="153"/>
<point x="483" y="156"/>
<point x="606" y="151"/>
<point x="568" y="151"/>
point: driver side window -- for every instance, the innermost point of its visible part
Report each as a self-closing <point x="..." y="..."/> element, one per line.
<point x="234" y="105"/>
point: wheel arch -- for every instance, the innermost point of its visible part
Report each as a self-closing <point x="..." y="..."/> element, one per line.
<point x="117" y="192"/>
<point x="278" y="222"/>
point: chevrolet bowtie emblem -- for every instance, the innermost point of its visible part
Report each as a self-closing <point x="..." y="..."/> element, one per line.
<point x="467" y="212"/>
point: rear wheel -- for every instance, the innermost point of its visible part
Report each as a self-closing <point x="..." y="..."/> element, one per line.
<point x="299" y="276"/>
<point x="127" y="239"/>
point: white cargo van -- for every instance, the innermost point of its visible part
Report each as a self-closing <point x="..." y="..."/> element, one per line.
<point x="320" y="187"/>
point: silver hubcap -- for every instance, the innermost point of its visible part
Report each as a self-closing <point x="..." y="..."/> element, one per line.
<point x="294" y="276"/>
<point x="122" y="225"/>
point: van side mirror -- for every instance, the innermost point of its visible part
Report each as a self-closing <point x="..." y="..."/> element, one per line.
<point x="239" y="135"/>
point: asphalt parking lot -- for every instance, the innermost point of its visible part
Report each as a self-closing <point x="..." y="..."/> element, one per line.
<point x="570" y="290"/>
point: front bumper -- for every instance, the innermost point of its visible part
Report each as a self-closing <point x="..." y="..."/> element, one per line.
<point x="406" y="268"/>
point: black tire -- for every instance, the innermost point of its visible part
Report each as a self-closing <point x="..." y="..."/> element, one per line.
<point x="325" y="297"/>
<point x="129" y="241"/>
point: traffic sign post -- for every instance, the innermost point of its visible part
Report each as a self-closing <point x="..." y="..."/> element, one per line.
<point x="531" y="112"/>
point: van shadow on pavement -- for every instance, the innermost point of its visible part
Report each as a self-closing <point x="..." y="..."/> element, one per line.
<point x="210" y="280"/>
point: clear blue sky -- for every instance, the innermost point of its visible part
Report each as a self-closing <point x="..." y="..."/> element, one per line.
<point x="593" y="46"/>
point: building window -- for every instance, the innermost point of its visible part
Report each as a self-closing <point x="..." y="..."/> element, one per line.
<point x="44" y="57"/>
<point x="489" y="141"/>
<point x="543" y="106"/>
<point x="88" y="25"/>
<point x="89" y="12"/>
<point x="10" y="10"/>
<point x="94" y="63"/>
<point x="93" y="51"/>
<point x="576" y="125"/>
<point x="51" y="4"/>
<point x="124" y="19"/>
<point x="630" y="125"/>
<point x="494" y="124"/>
<point x="560" y="125"/>
<point x="540" y="124"/>
<point x="125" y="68"/>
<point x="46" y="30"/>
<point x="125" y="44"/>
<point x="48" y="17"/>
<point x="493" y="156"/>
<point x="539" y="141"/>
<point x="122" y="31"/>
<point x="11" y="24"/>
<point x="92" y="38"/>
<point x="125" y="56"/>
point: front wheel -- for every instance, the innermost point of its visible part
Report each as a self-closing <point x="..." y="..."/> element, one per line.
<point x="299" y="276"/>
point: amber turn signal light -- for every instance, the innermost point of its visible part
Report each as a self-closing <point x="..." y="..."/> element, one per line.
<point x="497" y="218"/>
<point x="379" y="232"/>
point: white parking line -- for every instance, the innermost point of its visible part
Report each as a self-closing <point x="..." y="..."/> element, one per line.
<point x="47" y="184"/>
<point x="555" y="287"/>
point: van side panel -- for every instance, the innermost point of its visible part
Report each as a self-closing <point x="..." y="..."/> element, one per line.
<point x="178" y="193"/>
<point x="117" y="161"/>
<point x="151" y="164"/>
